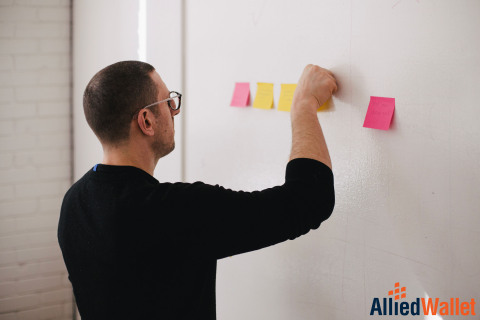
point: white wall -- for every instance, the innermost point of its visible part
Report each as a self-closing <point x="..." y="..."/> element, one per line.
<point x="34" y="157"/>
<point x="407" y="199"/>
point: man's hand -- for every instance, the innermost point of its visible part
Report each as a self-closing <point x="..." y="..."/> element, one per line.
<point x="315" y="86"/>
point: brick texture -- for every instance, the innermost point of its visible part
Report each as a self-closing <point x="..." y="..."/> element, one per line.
<point x="35" y="157"/>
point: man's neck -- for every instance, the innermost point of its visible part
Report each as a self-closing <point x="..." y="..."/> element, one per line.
<point x="129" y="155"/>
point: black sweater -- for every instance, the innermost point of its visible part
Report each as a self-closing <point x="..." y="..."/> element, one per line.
<point x="136" y="248"/>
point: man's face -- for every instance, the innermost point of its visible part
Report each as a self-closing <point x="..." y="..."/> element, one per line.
<point x="164" y="141"/>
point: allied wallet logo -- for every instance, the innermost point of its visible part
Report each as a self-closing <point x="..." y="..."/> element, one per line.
<point x="392" y="307"/>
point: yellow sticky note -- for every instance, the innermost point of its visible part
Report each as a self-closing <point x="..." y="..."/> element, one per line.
<point x="323" y="107"/>
<point x="286" y="96"/>
<point x="264" y="96"/>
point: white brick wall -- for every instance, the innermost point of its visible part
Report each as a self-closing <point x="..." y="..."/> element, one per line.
<point x="35" y="158"/>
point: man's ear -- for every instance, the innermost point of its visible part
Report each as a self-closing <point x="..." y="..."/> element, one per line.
<point x="145" y="122"/>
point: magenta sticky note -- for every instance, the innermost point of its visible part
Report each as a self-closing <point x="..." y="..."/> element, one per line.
<point x="380" y="112"/>
<point x="241" y="95"/>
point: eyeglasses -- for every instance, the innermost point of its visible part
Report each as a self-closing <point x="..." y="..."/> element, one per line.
<point x="174" y="102"/>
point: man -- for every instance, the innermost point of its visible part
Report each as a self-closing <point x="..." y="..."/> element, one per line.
<point x="136" y="248"/>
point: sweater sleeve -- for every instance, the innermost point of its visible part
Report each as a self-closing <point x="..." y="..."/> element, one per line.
<point x="225" y="222"/>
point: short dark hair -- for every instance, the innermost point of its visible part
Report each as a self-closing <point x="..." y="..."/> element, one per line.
<point x="114" y="94"/>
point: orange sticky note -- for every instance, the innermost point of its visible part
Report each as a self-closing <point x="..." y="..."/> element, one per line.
<point x="241" y="95"/>
<point x="380" y="112"/>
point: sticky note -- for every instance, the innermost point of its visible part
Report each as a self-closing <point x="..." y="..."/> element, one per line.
<point x="264" y="96"/>
<point x="380" y="112"/>
<point x="323" y="107"/>
<point x="241" y="95"/>
<point x="286" y="96"/>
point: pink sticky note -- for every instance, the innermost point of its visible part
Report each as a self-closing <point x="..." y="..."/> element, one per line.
<point x="380" y="112"/>
<point x="241" y="95"/>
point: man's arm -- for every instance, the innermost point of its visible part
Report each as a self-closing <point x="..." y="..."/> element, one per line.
<point x="223" y="222"/>
<point x="315" y="87"/>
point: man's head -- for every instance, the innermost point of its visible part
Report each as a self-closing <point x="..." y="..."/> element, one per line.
<point x="113" y="102"/>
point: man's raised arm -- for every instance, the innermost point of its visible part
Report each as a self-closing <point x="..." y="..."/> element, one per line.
<point x="315" y="86"/>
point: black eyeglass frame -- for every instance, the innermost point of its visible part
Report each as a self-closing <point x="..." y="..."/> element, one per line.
<point x="177" y="95"/>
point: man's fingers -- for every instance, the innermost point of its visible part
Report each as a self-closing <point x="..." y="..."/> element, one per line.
<point x="317" y="82"/>
<point x="335" y="88"/>
<point x="332" y="81"/>
<point x="330" y="72"/>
